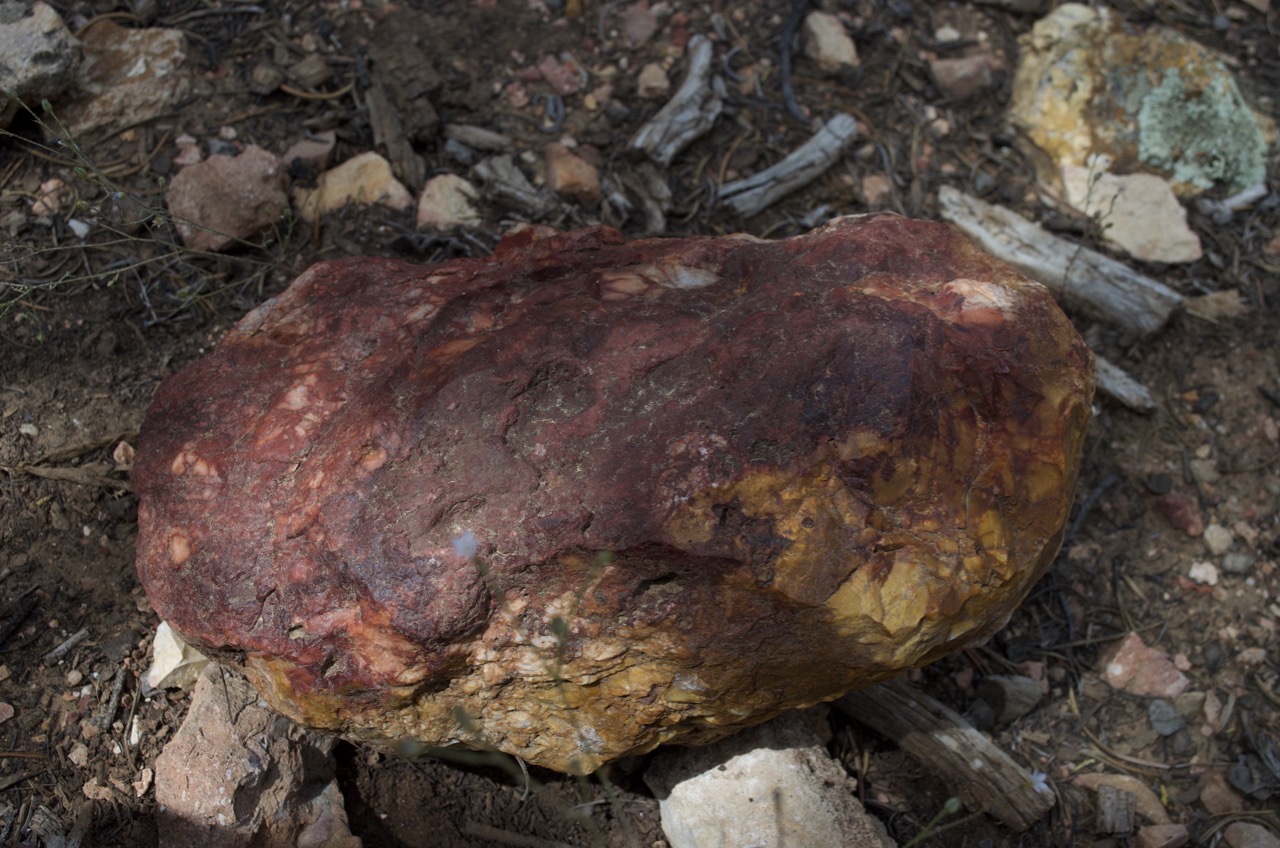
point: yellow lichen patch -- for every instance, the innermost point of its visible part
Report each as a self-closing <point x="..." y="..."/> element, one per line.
<point x="815" y="513"/>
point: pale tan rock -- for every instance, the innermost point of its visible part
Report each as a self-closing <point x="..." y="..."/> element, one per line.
<point x="447" y="201"/>
<point x="1138" y="213"/>
<point x="363" y="179"/>
<point x="128" y="76"/>
<point x="569" y="175"/>
<point x="876" y="190"/>
<point x="828" y="44"/>
<point x="653" y="83"/>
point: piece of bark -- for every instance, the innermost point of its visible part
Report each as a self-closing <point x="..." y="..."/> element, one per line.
<point x="505" y="181"/>
<point x="1099" y="286"/>
<point x="801" y="166"/>
<point x="985" y="777"/>
<point x="389" y="134"/>
<point x="1117" y="810"/>
<point x="478" y="138"/>
<point x="1010" y="696"/>
<point x="690" y="112"/>
<point x="1116" y="383"/>
<point x="650" y="188"/>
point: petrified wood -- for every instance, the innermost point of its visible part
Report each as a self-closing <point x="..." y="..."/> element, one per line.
<point x="588" y="496"/>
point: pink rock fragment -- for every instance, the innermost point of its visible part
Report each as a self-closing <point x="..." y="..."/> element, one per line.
<point x="1218" y="797"/>
<point x="638" y="23"/>
<point x="1250" y="835"/>
<point x="225" y="199"/>
<point x="1141" y="670"/>
<point x="966" y="76"/>
<point x="1162" y="836"/>
<point x="562" y="76"/>
<point x="1182" y="513"/>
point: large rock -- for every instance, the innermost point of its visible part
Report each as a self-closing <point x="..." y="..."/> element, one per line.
<point x="128" y="77"/>
<point x="1146" y="98"/>
<point x="587" y="496"/>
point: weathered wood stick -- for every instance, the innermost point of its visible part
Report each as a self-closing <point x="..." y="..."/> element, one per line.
<point x="1101" y="287"/>
<point x="985" y="777"/>
<point x="506" y="181"/>
<point x="1117" y="384"/>
<point x="801" y="166"/>
<point x="688" y="114"/>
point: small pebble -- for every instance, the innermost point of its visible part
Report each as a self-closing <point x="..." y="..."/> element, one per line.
<point x="1204" y="573"/>
<point x="1205" y="470"/>
<point x="1218" y="539"/>
<point x="1238" y="563"/>
<point x="1164" y="718"/>
<point x="1158" y="484"/>
<point x="74" y="677"/>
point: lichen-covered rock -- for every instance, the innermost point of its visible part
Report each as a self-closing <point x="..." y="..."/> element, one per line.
<point x="1097" y="93"/>
<point x="587" y="496"/>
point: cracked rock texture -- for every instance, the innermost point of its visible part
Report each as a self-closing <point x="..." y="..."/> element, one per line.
<point x="587" y="496"/>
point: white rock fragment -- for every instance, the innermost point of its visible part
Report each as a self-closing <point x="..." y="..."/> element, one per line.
<point x="174" y="663"/>
<point x="828" y="44"/>
<point x="768" y="786"/>
<point x="1139" y="213"/>
<point x="447" y="201"/>
<point x="1204" y="573"/>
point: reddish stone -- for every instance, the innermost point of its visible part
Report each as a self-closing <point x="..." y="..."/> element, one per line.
<point x="1142" y="670"/>
<point x="1182" y="513"/>
<point x="227" y="199"/>
<point x="587" y="496"/>
<point x="562" y="76"/>
<point x="1250" y="835"/>
<point x="966" y="76"/>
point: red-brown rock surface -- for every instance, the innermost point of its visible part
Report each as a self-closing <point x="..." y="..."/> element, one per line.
<point x="706" y="480"/>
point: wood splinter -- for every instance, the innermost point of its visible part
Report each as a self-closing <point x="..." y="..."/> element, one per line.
<point x="985" y="777"/>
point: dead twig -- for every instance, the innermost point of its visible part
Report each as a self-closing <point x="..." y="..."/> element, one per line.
<point x="65" y="648"/>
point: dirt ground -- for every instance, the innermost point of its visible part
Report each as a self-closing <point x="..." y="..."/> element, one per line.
<point x="101" y="323"/>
